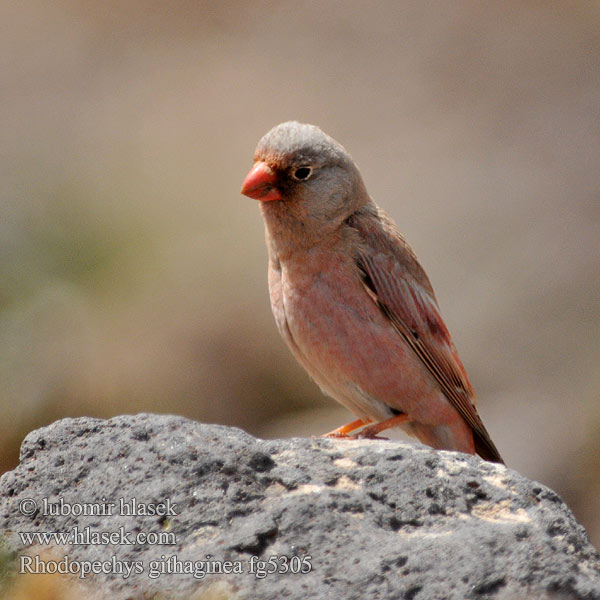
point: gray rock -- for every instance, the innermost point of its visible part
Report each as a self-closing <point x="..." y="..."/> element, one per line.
<point x="366" y="519"/>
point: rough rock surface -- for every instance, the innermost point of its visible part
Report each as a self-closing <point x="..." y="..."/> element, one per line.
<point x="367" y="519"/>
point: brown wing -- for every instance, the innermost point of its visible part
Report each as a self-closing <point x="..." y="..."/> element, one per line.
<point x="397" y="283"/>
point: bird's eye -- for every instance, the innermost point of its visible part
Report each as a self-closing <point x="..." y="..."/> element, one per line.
<point x="302" y="173"/>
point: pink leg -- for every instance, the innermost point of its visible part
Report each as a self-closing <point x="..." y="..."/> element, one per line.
<point x="371" y="432"/>
<point x="344" y="430"/>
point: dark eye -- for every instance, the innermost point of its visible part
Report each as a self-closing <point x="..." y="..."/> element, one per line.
<point x="302" y="173"/>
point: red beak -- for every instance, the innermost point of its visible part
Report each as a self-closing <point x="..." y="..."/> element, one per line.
<point x="260" y="183"/>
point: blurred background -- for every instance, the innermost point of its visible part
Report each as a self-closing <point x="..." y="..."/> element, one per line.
<point x="133" y="273"/>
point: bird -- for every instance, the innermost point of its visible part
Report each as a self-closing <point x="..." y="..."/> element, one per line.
<point x="351" y="300"/>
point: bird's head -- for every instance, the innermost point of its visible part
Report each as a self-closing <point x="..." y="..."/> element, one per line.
<point x="302" y="172"/>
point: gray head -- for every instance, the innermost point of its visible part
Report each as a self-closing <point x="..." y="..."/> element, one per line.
<point x="292" y="143"/>
<point x="302" y="175"/>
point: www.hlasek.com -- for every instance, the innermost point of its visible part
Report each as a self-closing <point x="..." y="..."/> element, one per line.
<point x="90" y="537"/>
<point x="168" y="565"/>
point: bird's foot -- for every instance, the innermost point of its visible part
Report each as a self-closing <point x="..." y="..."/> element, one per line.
<point x="344" y="430"/>
<point x="370" y="432"/>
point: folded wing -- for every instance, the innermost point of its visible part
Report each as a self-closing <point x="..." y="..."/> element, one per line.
<point x="398" y="284"/>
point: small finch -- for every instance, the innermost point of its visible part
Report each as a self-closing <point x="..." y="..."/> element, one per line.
<point x="352" y="301"/>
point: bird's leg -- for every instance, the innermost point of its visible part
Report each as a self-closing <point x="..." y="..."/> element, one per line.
<point x="344" y="430"/>
<point x="371" y="432"/>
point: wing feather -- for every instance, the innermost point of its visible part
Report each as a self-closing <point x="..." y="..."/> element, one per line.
<point x="397" y="283"/>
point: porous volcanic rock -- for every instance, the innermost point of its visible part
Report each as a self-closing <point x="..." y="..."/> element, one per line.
<point x="294" y="518"/>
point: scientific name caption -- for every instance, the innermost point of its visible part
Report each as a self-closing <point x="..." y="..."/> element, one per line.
<point x="112" y="565"/>
<point x="168" y="565"/>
